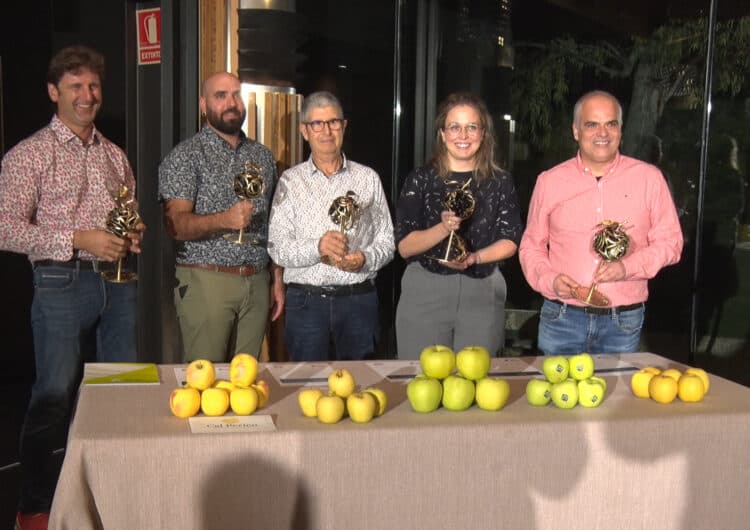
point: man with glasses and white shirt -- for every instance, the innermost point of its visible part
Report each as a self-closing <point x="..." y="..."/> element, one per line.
<point x="330" y="262"/>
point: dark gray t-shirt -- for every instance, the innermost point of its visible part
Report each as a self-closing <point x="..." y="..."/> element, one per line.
<point x="201" y="169"/>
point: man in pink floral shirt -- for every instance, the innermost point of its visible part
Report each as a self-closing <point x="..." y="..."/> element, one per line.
<point x="54" y="202"/>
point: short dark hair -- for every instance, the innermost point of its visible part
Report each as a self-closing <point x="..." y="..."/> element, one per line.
<point x="74" y="59"/>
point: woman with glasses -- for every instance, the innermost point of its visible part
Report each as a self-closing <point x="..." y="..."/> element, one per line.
<point x="456" y="298"/>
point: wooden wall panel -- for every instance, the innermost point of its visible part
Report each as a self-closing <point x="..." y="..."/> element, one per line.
<point x="212" y="31"/>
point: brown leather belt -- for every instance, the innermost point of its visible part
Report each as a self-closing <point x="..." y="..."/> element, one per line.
<point x="591" y="310"/>
<point x="241" y="270"/>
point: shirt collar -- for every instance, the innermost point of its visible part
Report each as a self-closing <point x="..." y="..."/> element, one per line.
<point x="214" y="137"/>
<point x="65" y="134"/>
<point x="587" y="171"/>
<point x="312" y="168"/>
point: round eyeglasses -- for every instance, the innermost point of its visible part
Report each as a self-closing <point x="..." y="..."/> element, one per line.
<point x="455" y="129"/>
<point x="334" y="124"/>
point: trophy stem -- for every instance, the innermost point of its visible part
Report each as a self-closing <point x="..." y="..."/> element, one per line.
<point x="119" y="270"/>
<point x="239" y="238"/>
<point x="448" y="247"/>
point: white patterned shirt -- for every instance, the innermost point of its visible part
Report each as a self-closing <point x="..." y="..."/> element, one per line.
<point x="299" y="218"/>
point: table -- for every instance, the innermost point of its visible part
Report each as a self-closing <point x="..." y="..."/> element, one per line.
<point x="631" y="463"/>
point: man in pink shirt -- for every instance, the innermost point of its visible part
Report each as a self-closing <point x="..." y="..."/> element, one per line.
<point x="568" y="204"/>
<point x="54" y="200"/>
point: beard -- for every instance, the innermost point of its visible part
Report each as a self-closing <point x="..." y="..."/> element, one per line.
<point x="228" y="122"/>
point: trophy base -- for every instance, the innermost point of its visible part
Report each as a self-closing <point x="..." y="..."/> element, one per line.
<point x="125" y="276"/>
<point x="590" y="296"/>
<point x="444" y="261"/>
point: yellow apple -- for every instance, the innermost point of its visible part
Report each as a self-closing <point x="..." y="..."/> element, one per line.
<point x="200" y="374"/>
<point x="380" y="397"/>
<point x="330" y="408"/>
<point x="361" y="406"/>
<point x="662" y="388"/>
<point x="437" y="361"/>
<point x="702" y="374"/>
<point x="243" y="401"/>
<point x="639" y="382"/>
<point x="473" y="362"/>
<point x="185" y="402"/>
<point x="652" y="369"/>
<point x="690" y="388"/>
<point x="223" y="383"/>
<point x="261" y="387"/>
<point x="674" y="373"/>
<point x="341" y="382"/>
<point x="492" y="393"/>
<point x="214" y="401"/>
<point x="308" y="400"/>
<point x="243" y="370"/>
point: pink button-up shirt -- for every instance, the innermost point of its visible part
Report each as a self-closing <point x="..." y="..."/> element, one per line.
<point x="52" y="184"/>
<point x="567" y="205"/>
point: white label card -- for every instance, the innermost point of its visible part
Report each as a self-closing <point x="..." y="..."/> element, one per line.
<point x="229" y="424"/>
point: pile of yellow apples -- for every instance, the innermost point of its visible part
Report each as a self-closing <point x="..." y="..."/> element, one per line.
<point x="341" y="398"/>
<point x="568" y="381"/>
<point x="663" y="386"/>
<point x="439" y="384"/>
<point x="214" y="397"/>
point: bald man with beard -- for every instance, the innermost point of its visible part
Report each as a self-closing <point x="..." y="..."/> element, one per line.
<point x="222" y="293"/>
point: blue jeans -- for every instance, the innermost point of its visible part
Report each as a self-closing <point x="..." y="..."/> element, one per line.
<point x="315" y="322"/>
<point x="75" y="316"/>
<point x="564" y="330"/>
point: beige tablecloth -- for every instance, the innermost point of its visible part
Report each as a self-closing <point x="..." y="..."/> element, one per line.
<point x="629" y="464"/>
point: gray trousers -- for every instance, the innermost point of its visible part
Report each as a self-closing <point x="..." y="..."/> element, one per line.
<point x="454" y="310"/>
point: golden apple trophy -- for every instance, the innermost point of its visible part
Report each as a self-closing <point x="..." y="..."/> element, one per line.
<point x="123" y="218"/>
<point x="611" y="243"/>
<point x="247" y="185"/>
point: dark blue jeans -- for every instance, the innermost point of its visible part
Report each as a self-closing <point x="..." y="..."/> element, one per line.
<point x="315" y="322"/>
<point x="564" y="331"/>
<point x="75" y="316"/>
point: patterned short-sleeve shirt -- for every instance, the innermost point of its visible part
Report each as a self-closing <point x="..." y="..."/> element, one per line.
<point x="496" y="216"/>
<point x="201" y="169"/>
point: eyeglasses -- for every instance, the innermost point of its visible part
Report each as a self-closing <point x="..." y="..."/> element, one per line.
<point x="455" y="129"/>
<point x="335" y="124"/>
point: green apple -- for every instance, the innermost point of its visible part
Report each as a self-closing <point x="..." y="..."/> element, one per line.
<point x="437" y="361"/>
<point x="473" y="362"/>
<point x="361" y="406"/>
<point x="330" y="408"/>
<point x="581" y="366"/>
<point x="555" y="368"/>
<point x="341" y="382"/>
<point x="424" y="393"/>
<point x="458" y="392"/>
<point x="492" y="393"/>
<point x="565" y="394"/>
<point x="538" y="392"/>
<point x="590" y="393"/>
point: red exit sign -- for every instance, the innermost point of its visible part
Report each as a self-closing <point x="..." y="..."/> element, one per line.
<point x="149" y="35"/>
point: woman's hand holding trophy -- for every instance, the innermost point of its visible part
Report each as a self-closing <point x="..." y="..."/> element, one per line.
<point x="460" y="204"/>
